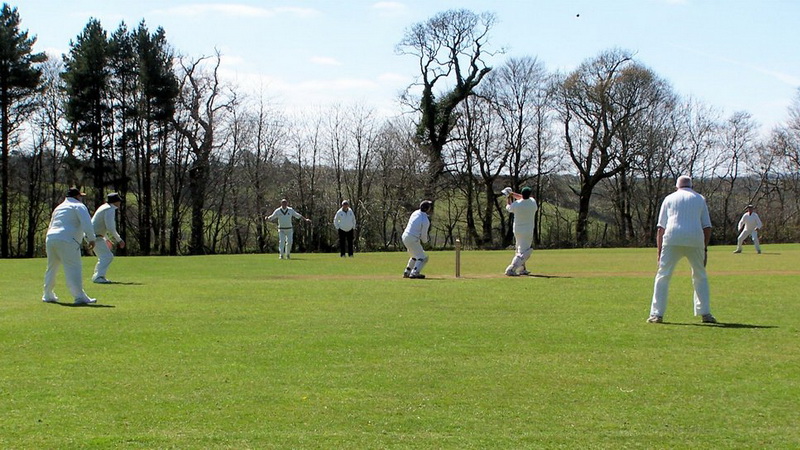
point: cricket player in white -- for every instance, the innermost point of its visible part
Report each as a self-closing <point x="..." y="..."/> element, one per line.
<point x="284" y="215"/>
<point x="524" y="209"/>
<point x="749" y="225"/>
<point x="415" y="234"/>
<point x="104" y="222"/>
<point x="684" y="229"/>
<point x="69" y="225"/>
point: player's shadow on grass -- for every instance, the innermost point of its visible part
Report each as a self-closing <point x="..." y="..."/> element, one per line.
<point x="123" y="283"/>
<point x="83" y="305"/>
<point x="536" y="275"/>
<point x="724" y="325"/>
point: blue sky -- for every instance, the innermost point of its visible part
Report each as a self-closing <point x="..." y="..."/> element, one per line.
<point x="731" y="54"/>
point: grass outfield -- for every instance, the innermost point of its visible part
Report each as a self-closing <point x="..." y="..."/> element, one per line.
<point x="248" y="351"/>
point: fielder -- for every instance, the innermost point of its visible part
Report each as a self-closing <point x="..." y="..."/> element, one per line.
<point x="684" y="230"/>
<point x="749" y="225"/>
<point x="105" y="223"/>
<point x="69" y="225"/>
<point x="415" y="234"/>
<point x="284" y="215"/>
<point x="524" y="209"/>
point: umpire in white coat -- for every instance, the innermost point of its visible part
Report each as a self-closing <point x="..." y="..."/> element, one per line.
<point x="284" y="215"/>
<point x="345" y="223"/>
<point x="70" y="224"/>
<point x="684" y="230"/>
<point x="104" y="222"/>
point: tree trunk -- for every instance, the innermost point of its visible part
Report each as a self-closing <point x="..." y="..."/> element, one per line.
<point x="582" y="224"/>
<point x="5" y="230"/>
<point x="198" y="178"/>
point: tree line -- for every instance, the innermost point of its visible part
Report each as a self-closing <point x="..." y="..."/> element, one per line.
<point x="200" y="162"/>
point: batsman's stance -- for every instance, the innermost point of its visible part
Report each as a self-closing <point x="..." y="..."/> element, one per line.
<point x="524" y="209"/>
<point x="415" y="234"/>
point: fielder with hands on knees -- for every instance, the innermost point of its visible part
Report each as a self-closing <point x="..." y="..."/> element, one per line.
<point x="749" y="225"/>
<point x="524" y="209"/>
<point x="70" y="224"/>
<point x="284" y="215"/>
<point x="415" y="234"/>
<point x="684" y="231"/>
<point x="105" y="223"/>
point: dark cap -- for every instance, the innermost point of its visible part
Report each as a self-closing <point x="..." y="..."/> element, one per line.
<point x="75" y="192"/>
<point x="113" y="198"/>
<point x="426" y="206"/>
<point x="526" y="192"/>
<point x="749" y="207"/>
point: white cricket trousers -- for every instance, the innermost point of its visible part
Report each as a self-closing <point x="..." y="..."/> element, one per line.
<point x="524" y="249"/>
<point x="104" y="258"/>
<point x="743" y="235"/>
<point x="285" y="240"/>
<point x="418" y="255"/>
<point x="670" y="255"/>
<point x="67" y="253"/>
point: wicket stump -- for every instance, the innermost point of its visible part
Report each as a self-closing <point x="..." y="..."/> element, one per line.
<point x="458" y="258"/>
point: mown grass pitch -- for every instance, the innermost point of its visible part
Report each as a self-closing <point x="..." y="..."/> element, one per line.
<point x="320" y="352"/>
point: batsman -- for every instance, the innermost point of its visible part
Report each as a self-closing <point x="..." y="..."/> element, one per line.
<point x="524" y="208"/>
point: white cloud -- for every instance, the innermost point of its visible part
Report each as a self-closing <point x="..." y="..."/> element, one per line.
<point x="234" y="10"/>
<point x="232" y="60"/>
<point x="339" y="84"/>
<point x="786" y="78"/>
<point x="300" y="12"/>
<point x="390" y="8"/>
<point x="394" y="78"/>
<point x="791" y="80"/>
<point x="325" y="61"/>
<point x="53" y="52"/>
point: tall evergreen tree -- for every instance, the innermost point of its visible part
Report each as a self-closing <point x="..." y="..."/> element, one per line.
<point x="19" y="80"/>
<point x="86" y="78"/>
<point x="157" y="93"/>
<point x="123" y="72"/>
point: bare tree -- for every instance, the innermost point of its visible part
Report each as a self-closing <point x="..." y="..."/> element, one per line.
<point x="598" y="100"/>
<point x="782" y="186"/>
<point x="271" y="129"/>
<point x="364" y="138"/>
<point x="482" y="156"/>
<point x="641" y="140"/>
<point x="698" y="140"/>
<point x="450" y="49"/>
<point x="737" y="156"/>
<point x="399" y="166"/>
<point x="202" y="102"/>
<point x="522" y="93"/>
<point x="650" y="172"/>
<point x="307" y="148"/>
